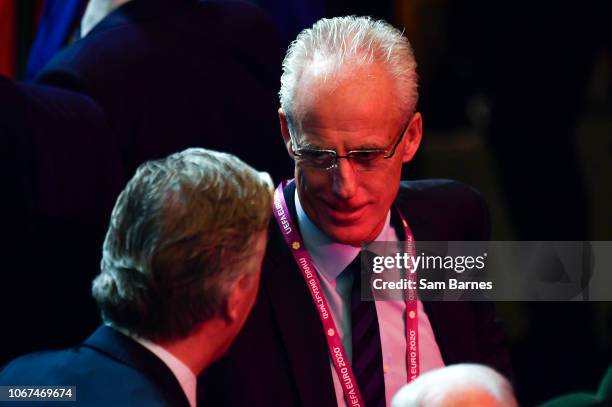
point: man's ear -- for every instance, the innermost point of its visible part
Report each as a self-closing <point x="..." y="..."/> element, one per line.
<point x="412" y="137"/>
<point x="285" y="131"/>
<point x="237" y="294"/>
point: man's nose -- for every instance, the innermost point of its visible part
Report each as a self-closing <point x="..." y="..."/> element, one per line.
<point x="344" y="179"/>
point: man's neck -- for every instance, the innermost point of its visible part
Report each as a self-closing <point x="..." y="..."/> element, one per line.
<point x="201" y="349"/>
<point x="198" y="351"/>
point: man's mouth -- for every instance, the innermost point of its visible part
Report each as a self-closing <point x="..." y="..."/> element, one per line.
<point x="345" y="214"/>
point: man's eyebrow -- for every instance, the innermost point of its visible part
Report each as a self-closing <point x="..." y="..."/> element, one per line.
<point x="368" y="146"/>
<point x="312" y="146"/>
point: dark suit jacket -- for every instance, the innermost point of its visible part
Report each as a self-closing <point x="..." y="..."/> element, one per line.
<point x="281" y="359"/>
<point x="108" y="369"/>
<point x="173" y="74"/>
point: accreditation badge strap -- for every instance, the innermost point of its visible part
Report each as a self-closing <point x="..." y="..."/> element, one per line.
<point x="412" y="320"/>
<point x="334" y="342"/>
<point x="304" y="262"/>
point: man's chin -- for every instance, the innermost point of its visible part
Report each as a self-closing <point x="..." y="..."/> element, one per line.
<point x="349" y="235"/>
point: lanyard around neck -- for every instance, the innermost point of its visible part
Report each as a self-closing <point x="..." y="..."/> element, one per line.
<point x="334" y="342"/>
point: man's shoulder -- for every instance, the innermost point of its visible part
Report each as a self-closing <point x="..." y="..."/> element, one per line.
<point x="439" y="188"/>
<point x="443" y="209"/>
<point x="165" y="26"/>
<point x="98" y="377"/>
<point x="75" y="364"/>
<point x="35" y="366"/>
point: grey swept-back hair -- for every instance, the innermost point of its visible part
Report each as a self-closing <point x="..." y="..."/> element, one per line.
<point x="352" y="41"/>
<point x="177" y="238"/>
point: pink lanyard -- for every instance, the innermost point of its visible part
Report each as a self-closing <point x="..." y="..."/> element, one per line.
<point x="334" y="343"/>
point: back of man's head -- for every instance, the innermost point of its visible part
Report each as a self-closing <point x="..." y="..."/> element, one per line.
<point x="178" y="235"/>
<point x="461" y="385"/>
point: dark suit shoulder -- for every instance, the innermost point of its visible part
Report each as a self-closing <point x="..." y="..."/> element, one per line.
<point x="442" y="209"/>
<point x="443" y="194"/>
<point x="100" y="380"/>
<point x="133" y="34"/>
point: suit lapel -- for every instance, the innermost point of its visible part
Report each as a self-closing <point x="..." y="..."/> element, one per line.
<point x="129" y="352"/>
<point x="298" y="321"/>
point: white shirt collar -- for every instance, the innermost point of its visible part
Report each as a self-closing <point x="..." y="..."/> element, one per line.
<point x="186" y="378"/>
<point x="96" y="11"/>
<point x="329" y="257"/>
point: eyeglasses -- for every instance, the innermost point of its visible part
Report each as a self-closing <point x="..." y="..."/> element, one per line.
<point x="362" y="160"/>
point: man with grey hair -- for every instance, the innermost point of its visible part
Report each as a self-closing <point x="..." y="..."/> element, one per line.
<point x="349" y="121"/>
<point x="179" y="274"/>
<point x="462" y="385"/>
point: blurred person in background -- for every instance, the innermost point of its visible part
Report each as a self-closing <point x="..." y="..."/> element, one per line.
<point x="171" y="73"/>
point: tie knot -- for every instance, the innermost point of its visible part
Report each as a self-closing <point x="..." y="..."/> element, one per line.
<point x="354" y="268"/>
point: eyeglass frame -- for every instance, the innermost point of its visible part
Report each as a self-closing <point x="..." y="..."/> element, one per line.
<point x="335" y="154"/>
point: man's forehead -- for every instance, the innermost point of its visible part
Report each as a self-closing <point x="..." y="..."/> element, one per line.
<point x="354" y="99"/>
<point x="324" y="78"/>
